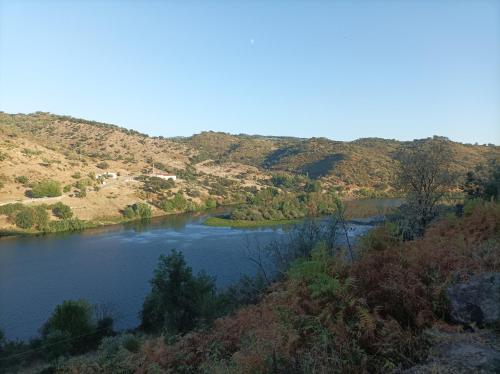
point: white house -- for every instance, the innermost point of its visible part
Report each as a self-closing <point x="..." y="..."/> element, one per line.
<point x="165" y="176"/>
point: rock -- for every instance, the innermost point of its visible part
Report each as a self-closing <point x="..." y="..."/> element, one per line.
<point x="476" y="300"/>
<point x="461" y="353"/>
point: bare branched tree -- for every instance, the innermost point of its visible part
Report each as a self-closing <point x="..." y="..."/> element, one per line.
<point x="339" y="217"/>
<point x="424" y="175"/>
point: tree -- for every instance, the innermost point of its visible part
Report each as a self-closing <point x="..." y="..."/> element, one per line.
<point x="424" y="176"/>
<point x="70" y="328"/>
<point x="179" y="301"/>
<point x="483" y="183"/>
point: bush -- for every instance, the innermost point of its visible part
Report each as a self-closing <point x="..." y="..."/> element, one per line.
<point x="67" y="188"/>
<point x="25" y="218"/>
<point x="47" y="188"/>
<point x="177" y="203"/>
<point x="210" y="203"/>
<point x="73" y="224"/>
<point x="137" y="210"/>
<point x="72" y="324"/>
<point x="81" y="193"/>
<point x="41" y="216"/>
<point x="9" y="209"/>
<point x="179" y="301"/>
<point x="22" y="179"/>
<point x="156" y="184"/>
<point x="103" y="165"/>
<point x="62" y="211"/>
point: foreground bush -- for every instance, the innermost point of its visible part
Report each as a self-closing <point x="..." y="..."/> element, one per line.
<point x="71" y="329"/>
<point x="179" y="301"/>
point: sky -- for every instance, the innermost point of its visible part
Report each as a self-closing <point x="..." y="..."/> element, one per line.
<point x="337" y="69"/>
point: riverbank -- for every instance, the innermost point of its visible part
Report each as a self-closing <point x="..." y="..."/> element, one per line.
<point x="238" y="223"/>
<point x="358" y="209"/>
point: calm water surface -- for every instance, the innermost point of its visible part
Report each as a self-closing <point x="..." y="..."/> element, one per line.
<point x="112" y="267"/>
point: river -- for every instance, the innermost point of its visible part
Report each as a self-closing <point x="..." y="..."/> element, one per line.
<point x="112" y="266"/>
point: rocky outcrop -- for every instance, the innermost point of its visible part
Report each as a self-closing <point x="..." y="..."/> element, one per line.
<point x="476" y="300"/>
<point x="459" y="353"/>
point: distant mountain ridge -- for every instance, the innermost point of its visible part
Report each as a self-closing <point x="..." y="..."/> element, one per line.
<point x="366" y="162"/>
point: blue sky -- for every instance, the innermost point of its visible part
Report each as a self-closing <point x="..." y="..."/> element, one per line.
<point x="339" y="69"/>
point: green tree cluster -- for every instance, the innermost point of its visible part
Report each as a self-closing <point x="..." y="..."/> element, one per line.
<point x="270" y="204"/>
<point x="137" y="210"/>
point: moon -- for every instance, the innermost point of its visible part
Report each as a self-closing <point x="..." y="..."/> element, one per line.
<point x="252" y="41"/>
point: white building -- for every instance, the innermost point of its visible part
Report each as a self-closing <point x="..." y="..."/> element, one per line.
<point x="165" y="176"/>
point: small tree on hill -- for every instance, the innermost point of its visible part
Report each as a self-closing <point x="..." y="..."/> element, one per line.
<point x="424" y="176"/>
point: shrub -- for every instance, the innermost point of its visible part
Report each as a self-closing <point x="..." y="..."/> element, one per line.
<point x="62" y="211"/>
<point x="22" y="179"/>
<point x="103" y="165"/>
<point x="76" y="175"/>
<point x="47" y="188"/>
<point x="70" y="329"/>
<point x="156" y="184"/>
<point x="73" y="318"/>
<point x="81" y="193"/>
<point x="177" y="203"/>
<point x="129" y="212"/>
<point x="25" y="218"/>
<point x="140" y="210"/>
<point x="9" y="209"/>
<point x="179" y="301"/>
<point x="67" y="188"/>
<point x="210" y="203"/>
<point x="72" y="224"/>
<point x="41" y="216"/>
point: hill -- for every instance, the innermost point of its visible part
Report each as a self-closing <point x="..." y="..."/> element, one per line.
<point x="210" y="166"/>
<point x="363" y="163"/>
<point x="42" y="146"/>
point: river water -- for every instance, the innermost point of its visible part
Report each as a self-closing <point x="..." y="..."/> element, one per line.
<point x="112" y="266"/>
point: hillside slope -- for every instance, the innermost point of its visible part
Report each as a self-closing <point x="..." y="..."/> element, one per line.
<point x="368" y="162"/>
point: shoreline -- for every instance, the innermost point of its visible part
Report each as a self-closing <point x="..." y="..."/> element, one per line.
<point x="211" y="221"/>
<point x="90" y="224"/>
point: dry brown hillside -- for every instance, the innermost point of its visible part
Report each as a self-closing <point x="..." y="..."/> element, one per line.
<point x="43" y="146"/>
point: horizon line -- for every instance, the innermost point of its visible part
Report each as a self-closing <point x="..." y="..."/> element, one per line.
<point x="38" y="112"/>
